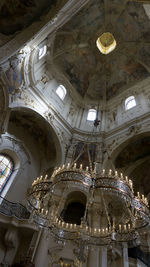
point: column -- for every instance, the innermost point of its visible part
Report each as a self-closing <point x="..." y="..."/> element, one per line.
<point x="125" y="255"/>
<point x="41" y="254"/>
<point x="103" y="257"/>
<point x="97" y="257"/>
<point x="93" y="257"/>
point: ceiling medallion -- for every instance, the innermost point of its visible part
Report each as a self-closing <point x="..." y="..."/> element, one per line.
<point x="106" y="43"/>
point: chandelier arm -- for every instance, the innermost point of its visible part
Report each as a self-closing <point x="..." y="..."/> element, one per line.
<point x="105" y="209"/>
<point x="79" y="155"/>
<point x="61" y="201"/>
<point x="112" y="164"/>
<point x="90" y="161"/>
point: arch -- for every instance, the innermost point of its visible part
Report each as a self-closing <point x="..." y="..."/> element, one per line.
<point x="130" y="102"/>
<point x="46" y="125"/>
<point x="115" y="152"/>
<point x="14" y="149"/>
<point x="131" y="157"/>
<point x="74" y="207"/>
<point x="91" y="114"/>
<point x="61" y="91"/>
<point x="6" y="169"/>
<point x="42" y="51"/>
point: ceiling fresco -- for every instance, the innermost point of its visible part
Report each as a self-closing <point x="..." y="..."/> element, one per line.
<point x="91" y="73"/>
<point x="135" y="150"/>
<point x="37" y="128"/>
<point x="16" y="15"/>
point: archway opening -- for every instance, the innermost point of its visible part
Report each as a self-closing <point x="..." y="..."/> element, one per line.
<point x="74" y="208"/>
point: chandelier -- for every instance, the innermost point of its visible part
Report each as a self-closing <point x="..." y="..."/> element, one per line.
<point x="112" y="212"/>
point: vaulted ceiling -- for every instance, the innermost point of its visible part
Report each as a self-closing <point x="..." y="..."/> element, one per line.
<point x="98" y="76"/>
<point x="16" y="15"/>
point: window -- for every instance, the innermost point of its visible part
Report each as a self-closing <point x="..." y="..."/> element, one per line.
<point x="91" y="115"/>
<point x="130" y="102"/>
<point x="61" y="92"/>
<point x="6" y="169"/>
<point x="42" y="51"/>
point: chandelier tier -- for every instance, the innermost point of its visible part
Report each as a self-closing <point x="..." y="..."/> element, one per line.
<point x="112" y="212"/>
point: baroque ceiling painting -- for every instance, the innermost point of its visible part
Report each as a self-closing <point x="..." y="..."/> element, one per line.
<point x="16" y="15"/>
<point x="92" y="74"/>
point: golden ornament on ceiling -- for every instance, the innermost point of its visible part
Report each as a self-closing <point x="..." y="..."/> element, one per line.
<point x="106" y="43"/>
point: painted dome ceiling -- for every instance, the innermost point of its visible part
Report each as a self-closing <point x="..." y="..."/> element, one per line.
<point x="92" y="74"/>
<point x="15" y="15"/>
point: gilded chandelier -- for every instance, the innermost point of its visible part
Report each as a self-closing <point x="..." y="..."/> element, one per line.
<point x="113" y="213"/>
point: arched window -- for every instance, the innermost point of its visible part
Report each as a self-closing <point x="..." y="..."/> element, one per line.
<point x="91" y="115"/>
<point x="6" y="169"/>
<point x="42" y="51"/>
<point x="130" y="102"/>
<point x="61" y="92"/>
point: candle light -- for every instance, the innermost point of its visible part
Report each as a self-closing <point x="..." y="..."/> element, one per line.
<point x="110" y="172"/>
<point x="75" y="165"/>
<point x="125" y="227"/>
<point x="119" y="227"/>
<point x="116" y="174"/>
<point x="87" y="168"/>
<point x="103" y="173"/>
<point x="146" y="201"/>
<point x="126" y="179"/>
<point x="121" y="176"/>
<point x="80" y="166"/>
<point x="68" y="166"/>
